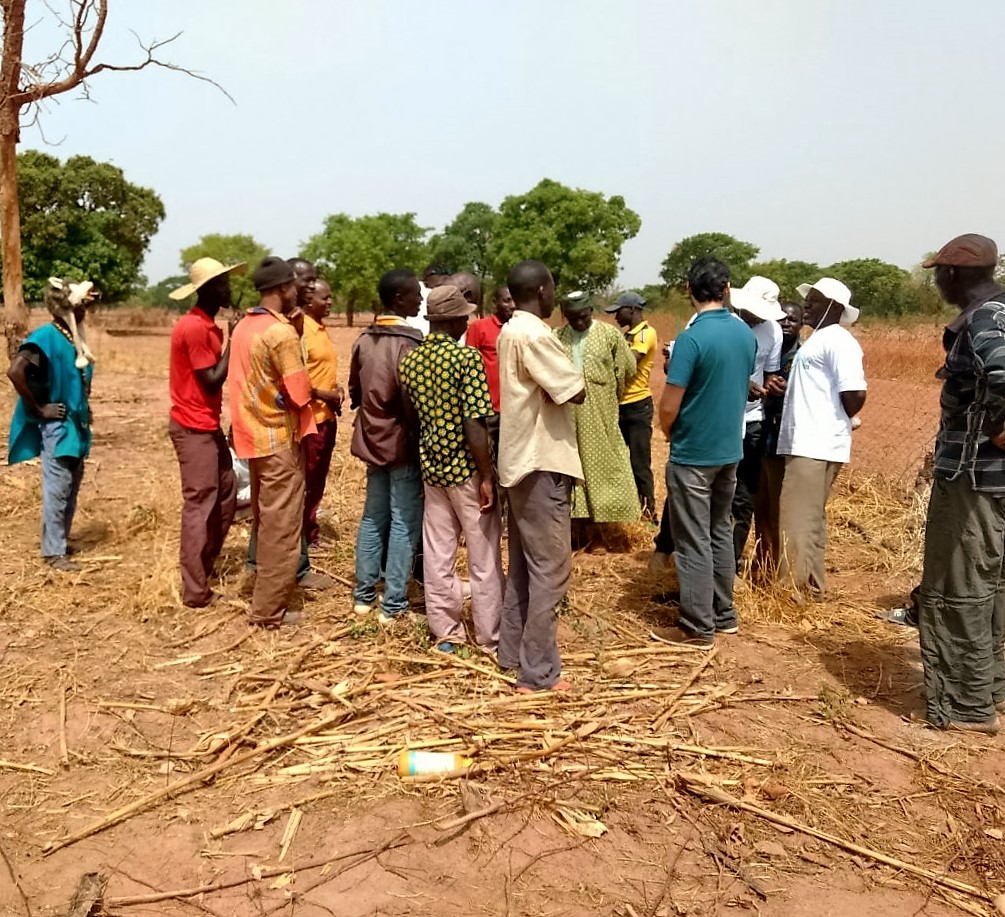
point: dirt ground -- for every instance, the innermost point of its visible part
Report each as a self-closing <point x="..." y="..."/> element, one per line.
<point x="610" y="801"/>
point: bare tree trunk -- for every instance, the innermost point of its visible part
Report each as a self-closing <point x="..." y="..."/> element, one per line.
<point x="350" y="308"/>
<point x="15" y="313"/>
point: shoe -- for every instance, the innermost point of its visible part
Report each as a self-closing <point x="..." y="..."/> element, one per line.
<point x="677" y="637"/>
<point x="316" y="582"/>
<point x="316" y="548"/>
<point x="1000" y="706"/>
<point x="293" y="618"/>
<point x="989" y="728"/>
<point x="906" y="617"/>
<point x="63" y="564"/>
<point x="386" y="619"/>
<point x="214" y="599"/>
<point x="659" y="563"/>
<point x="444" y="646"/>
<point x="559" y="687"/>
<point x="733" y="629"/>
<point x="363" y="608"/>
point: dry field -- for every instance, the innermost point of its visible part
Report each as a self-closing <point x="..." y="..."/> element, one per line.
<point x="200" y="767"/>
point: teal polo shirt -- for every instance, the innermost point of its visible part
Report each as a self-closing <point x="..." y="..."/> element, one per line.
<point x="712" y="361"/>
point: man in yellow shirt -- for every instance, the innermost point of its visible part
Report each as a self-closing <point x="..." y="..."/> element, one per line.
<point x="635" y="410"/>
<point x="322" y="367"/>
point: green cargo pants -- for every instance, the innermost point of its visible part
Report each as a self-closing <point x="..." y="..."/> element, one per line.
<point x="962" y="603"/>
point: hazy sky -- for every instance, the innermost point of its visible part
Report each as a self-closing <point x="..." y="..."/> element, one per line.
<point x="818" y="130"/>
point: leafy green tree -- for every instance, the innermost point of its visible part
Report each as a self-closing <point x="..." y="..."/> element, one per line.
<point x="734" y="253"/>
<point x="787" y="274"/>
<point x="353" y="252"/>
<point x="877" y="288"/>
<point x="577" y="233"/>
<point x="230" y="250"/>
<point x="84" y="221"/>
<point x="464" y="244"/>
<point x="157" y="297"/>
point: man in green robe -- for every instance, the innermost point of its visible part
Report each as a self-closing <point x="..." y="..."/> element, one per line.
<point x="608" y="493"/>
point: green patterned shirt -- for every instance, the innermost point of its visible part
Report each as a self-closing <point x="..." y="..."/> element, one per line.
<point x="446" y="383"/>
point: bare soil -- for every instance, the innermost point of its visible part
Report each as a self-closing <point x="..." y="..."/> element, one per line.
<point x="110" y="690"/>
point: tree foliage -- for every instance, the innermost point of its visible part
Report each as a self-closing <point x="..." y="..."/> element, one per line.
<point x="83" y="220"/>
<point x="577" y="233"/>
<point x="731" y="251"/>
<point x="877" y="288"/>
<point x="464" y="243"/>
<point x="353" y="252"/>
<point x="230" y="250"/>
<point x="787" y="274"/>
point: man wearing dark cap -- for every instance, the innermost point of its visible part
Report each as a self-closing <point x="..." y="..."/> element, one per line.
<point x="962" y="598"/>
<point x="270" y="398"/>
<point x="446" y="384"/>
<point x="635" y="409"/>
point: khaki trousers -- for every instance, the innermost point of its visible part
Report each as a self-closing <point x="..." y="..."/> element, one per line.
<point x="277" y="503"/>
<point x="802" y="518"/>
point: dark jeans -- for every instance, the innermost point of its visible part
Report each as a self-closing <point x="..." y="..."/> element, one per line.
<point x="700" y="499"/>
<point x="748" y="475"/>
<point x="540" y="566"/>
<point x="961" y="622"/>
<point x="636" y="423"/>
<point x="664" y="537"/>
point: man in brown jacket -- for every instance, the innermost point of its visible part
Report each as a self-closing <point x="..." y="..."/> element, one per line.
<point x="385" y="436"/>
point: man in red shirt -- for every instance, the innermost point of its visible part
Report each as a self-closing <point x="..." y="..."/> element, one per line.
<point x="198" y="369"/>
<point x="482" y="335"/>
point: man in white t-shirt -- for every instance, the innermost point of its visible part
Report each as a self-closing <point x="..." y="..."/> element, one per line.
<point x="826" y="389"/>
<point x="432" y="277"/>
<point x="756" y="303"/>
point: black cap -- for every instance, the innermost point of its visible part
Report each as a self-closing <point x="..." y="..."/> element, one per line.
<point x="272" y="272"/>
<point x="631" y="300"/>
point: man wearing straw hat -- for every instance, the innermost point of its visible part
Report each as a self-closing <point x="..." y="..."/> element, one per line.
<point x="198" y="368"/>
<point x="961" y="614"/>
<point x="826" y="389"/>
<point x="270" y="397"/>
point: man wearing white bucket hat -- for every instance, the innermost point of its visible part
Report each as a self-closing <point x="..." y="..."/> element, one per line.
<point x="198" y="369"/>
<point x="756" y="302"/>
<point x="826" y="389"/>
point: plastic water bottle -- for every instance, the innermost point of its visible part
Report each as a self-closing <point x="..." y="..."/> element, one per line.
<point x="416" y="763"/>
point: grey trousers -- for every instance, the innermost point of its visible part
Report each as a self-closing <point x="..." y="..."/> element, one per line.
<point x="700" y="501"/>
<point x="61" y="478"/>
<point x="962" y="603"/>
<point x="540" y="566"/>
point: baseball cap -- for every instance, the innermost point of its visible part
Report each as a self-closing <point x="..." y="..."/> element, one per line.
<point x="631" y="299"/>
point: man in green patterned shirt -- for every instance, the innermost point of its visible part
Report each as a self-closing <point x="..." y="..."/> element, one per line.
<point x="447" y="386"/>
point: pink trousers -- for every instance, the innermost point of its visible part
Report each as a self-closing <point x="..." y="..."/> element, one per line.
<point x="450" y="512"/>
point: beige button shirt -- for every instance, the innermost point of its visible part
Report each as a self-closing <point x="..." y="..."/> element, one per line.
<point x="536" y="380"/>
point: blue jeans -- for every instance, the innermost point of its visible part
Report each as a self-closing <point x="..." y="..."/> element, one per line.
<point x="392" y="516"/>
<point x="700" y="501"/>
<point x="61" y="479"/>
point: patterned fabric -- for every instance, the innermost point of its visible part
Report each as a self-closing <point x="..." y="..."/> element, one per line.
<point x="973" y="401"/>
<point x="322" y="364"/>
<point x="446" y="384"/>
<point x="641" y="339"/>
<point x="607" y="493"/>
<point x="270" y="392"/>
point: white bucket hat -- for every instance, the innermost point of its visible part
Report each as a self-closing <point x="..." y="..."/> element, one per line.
<point x="202" y="271"/>
<point x="759" y="297"/>
<point x="836" y="291"/>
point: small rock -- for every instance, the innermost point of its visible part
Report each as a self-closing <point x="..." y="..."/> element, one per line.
<point x="995" y="833"/>
<point x="771" y="849"/>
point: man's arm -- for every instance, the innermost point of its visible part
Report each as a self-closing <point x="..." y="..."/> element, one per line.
<point x="18" y="375"/>
<point x="670" y="402"/>
<point x="551" y="369"/>
<point x="987" y="337"/>
<point x="853" y="402"/>
<point x="212" y="377"/>
<point x="476" y="435"/>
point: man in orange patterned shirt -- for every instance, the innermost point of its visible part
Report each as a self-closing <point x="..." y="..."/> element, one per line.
<point x="270" y="396"/>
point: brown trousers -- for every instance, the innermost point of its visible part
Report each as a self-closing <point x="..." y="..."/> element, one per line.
<point x="209" y="491"/>
<point x="277" y="503"/>
<point x="802" y="517"/>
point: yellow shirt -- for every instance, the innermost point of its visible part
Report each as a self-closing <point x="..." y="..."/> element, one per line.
<point x="641" y="339"/>
<point x="322" y="364"/>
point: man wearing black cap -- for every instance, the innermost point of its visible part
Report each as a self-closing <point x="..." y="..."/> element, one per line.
<point x="270" y="397"/>
<point x="962" y="597"/>
<point x="635" y="409"/>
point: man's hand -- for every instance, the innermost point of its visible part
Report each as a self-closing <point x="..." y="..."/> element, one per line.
<point x="235" y="317"/>
<point x="775" y="385"/>
<point x="333" y="397"/>
<point x="53" y="411"/>
<point x="486" y="494"/>
<point x="296" y="318"/>
<point x="756" y="391"/>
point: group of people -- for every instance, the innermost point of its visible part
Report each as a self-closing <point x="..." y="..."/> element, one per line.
<point x="453" y="418"/>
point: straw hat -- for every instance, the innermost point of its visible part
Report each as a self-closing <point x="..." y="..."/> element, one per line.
<point x="202" y="271"/>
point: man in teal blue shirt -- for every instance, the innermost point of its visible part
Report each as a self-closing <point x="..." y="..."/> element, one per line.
<point x="52" y="419"/>
<point x="701" y="414"/>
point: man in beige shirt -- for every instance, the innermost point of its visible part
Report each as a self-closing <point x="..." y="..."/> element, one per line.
<point x="538" y="462"/>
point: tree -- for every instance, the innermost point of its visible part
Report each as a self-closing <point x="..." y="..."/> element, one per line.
<point x="25" y="86"/>
<point x="578" y="234"/>
<point x="157" y="296"/>
<point x="229" y="250"/>
<point x="731" y="251"/>
<point x="353" y="252"/>
<point x="787" y="274"/>
<point x="877" y="288"/>
<point x="464" y="244"/>
<point x="83" y="220"/>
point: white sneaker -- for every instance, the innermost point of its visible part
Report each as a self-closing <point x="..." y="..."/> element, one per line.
<point x="363" y="608"/>
<point x="386" y="620"/>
